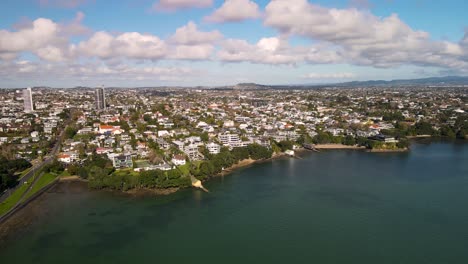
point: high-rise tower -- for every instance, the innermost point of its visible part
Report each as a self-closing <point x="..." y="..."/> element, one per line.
<point x="100" y="98"/>
<point x="28" y="100"/>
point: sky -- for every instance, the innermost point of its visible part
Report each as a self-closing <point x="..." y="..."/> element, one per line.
<point x="132" y="43"/>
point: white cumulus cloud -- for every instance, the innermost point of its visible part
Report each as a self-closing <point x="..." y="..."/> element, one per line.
<point x="190" y="35"/>
<point x="365" y="38"/>
<point x="131" y="45"/>
<point x="266" y="51"/>
<point x="234" y="11"/>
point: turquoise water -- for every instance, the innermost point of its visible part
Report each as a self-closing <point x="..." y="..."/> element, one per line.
<point x="329" y="207"/>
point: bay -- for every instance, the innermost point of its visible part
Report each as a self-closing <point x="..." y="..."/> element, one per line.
<point x="328" y="207"/>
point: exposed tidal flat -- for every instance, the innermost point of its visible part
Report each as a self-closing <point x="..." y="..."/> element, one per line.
<point x="337" y="206"/>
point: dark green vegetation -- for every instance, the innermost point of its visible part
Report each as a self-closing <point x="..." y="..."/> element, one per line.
<point x="100" y="174"/>
<point x="216" y="163"/>
<point x="449" y="128"/>
<point x="9" y="172"/>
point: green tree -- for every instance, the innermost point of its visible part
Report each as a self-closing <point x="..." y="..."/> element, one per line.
<point x="349" y="140"/>
<point x="204" y="137"/>
<point x="70" y="132"/>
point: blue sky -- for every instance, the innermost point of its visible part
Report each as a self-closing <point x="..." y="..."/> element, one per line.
<point x="134" y="42"/>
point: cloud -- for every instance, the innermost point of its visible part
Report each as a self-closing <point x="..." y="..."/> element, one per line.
<point x="131" y="45"/>
<point x="75" y="26"/>
<point x="41" y="32"/>
<point x="277" y="50"/>
<point x="341" y="75"/>
<point x="266" y="51"/>
<point x="350" y="36"/>
<point x="94" y="73"/>
<point x="41" y="37"/>
<point x="172" y="5"/>
<point x="365" y="38"/>
<point x="190" y="35"/>
<point x="269" y="44"/>
<point x="234" y="11"/>
<point x="50" y="41"/>
<point x="137" y="46"/>
<point x="191" y="52"/>
<point x="323" y="54"/>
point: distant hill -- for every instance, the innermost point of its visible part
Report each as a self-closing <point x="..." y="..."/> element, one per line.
<point x="447" y="80"/>
<point x="249" y="86"/>
<point x="431" y="81"/>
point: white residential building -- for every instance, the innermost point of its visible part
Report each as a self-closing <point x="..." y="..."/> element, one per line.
<point x="213" y="148"/>
<point x="28" y="100"/>
<point x="178" y="160"/>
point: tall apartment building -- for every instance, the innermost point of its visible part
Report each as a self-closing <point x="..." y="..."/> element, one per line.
<point x="28" y="101"/>
<point x="100" y="98"/>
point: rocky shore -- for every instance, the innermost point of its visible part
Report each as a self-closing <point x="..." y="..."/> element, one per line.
<point x="388" y="150"/>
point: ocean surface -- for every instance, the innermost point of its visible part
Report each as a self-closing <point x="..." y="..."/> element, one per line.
<point x="328" y="207"/>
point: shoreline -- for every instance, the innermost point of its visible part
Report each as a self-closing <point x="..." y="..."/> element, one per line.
<point x="419" y="136"/>
<point x="245" y="163"/>
<point x="136" y="192"/>
<point x="338" y="146"/>
<point x="73" y="184"/>
<point x="355" y="147"/>
<point x="241" y="164"/>
<point x="388" y="150"/>
<point x="141" y="192"/>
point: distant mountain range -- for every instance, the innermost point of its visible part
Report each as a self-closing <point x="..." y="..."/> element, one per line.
<point x="431" y="81"/>
<point x="447" y="80"/>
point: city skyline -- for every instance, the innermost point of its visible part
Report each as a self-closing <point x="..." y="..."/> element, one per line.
<point x="150" y="43"/>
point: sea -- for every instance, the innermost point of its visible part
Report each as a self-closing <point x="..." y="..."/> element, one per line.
<point x="336" y="206"/>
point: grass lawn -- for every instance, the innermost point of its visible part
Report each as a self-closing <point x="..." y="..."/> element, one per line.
<point x="142" y="163"/>
<point x="23" y="173"/>
<point x="123" y="172"/>
<point x="45" y="180"/>
<point x="13" y="199"/>
<point x="185" y="169"/>
<point x="65" y="174"/>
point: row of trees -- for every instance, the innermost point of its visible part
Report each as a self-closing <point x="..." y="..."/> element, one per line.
<point x="101" y="174"/>
<point x="123" y="180"/>
<point x="215" y="163"/>
<point x="8" y="170"/>
<point x="323" y="137"/>
<point x="458" y="130"/>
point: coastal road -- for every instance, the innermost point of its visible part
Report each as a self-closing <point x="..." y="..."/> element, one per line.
<point x="49" y="158"/>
